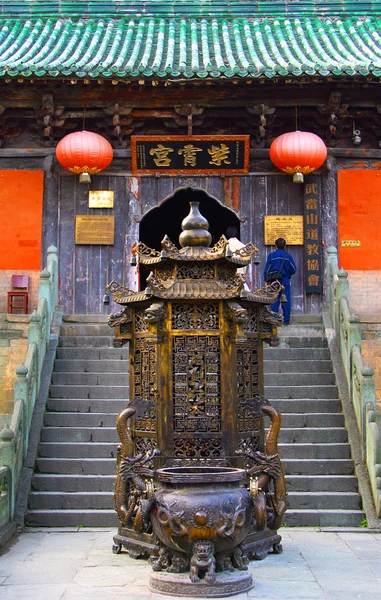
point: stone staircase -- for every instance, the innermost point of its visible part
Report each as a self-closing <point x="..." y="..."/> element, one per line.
<point x="75" y="470"/>
<point x="321" y="485"/>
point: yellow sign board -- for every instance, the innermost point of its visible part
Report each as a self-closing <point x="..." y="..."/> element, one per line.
<point x="351" y="243"/>
<point x="94" y="229"/>
<point x="101" y="199"/>
<point x="289" y="227"/>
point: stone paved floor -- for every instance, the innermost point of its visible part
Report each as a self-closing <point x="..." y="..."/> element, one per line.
<point x="61" y="564"/>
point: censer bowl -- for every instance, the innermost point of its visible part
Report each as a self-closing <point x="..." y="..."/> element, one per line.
<point x="201" y="503"/>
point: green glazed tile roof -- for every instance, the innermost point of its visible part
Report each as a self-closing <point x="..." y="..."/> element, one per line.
<point x="190" y="47"/>
<point x="190" y="8"/>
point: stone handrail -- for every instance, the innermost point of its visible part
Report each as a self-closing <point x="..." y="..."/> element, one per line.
<point x="359" y="376"/>
<point x="14" y="437"/>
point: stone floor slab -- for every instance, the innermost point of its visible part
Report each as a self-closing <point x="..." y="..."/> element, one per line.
<point x="74" y="592"/>
<point x="107" y="576"/>
<point x="32" y="592"/>
<point x="35" y="572"/>
<point x="290" y="590"/>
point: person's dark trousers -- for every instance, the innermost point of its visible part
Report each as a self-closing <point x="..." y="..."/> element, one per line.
<point x="287" y="306"/>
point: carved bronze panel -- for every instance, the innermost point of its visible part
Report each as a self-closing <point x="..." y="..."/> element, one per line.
<point x="196" y="384"/>
<point x="195" y="316"/>
<point x="198" y="448"/>
<point x="251" y="325"/>
<point x="193" y="270"/>
<point x="227" y="273"/>
<point x="145" y="374"/>
<point x="144" y="444"/>
<point x="145" y="419"/>
<point x="247" y="384"/>
<point x="126" y="328"/>
<point x="140" y="322"/>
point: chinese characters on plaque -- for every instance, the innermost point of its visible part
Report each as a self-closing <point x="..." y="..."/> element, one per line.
<point x="190" y="154"/>
<point x="312" y="236"/>
<point x="94" y="229"/>
<point x="101" y="199"/>
<point x="289" y="227"/>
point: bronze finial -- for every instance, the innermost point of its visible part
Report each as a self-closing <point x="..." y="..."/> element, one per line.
<point x="195" y="228"/>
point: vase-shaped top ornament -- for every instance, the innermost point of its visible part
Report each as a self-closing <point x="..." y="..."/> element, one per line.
<point x="195" y="228"/>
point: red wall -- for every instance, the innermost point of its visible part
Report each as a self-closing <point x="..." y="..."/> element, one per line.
<point x="21" y="196"/>
<point x="360" y="218"/>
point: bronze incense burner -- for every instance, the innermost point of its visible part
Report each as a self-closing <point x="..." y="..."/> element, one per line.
<point x="195" y="423"/>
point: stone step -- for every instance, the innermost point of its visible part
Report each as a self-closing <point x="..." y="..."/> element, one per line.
<point x="72" y="483"/>
<point x="75" y="378"/>
<point x="79" y="434"/>
<point x="97" y="318"/>
<point x="72" y="518"/>
<point x="324" y="500"/>
<point x="306" y="405"/>
<point x="108" y="353"/>
<point x="81" y="449"/>
<point x="317" y="466"/>
<point x="113" y="406"/>
<point x="87" y="391"/>
<point x="323" y="518"/>
<point x="84" y="341"/>
<point x="312" y="420"/>
<point x="321" y="483"/>
<point x="102" y="413"/>
<point x="73" y="419"/>
<point x="320" y="392"/>
<point x="77" y="466"/>
<point x="71" y="500"/>
<point x="305" y="379"/>
<point x="301" y="341"/>
<point x="295" y="354"/>
<point x="86" y="329"/>
<point x="301" y="451"/>
<point x="297" y="366"/>
<point x="91" y="366"/>
<point x="313" y="435"/>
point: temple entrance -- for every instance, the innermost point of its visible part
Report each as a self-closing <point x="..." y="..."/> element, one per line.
<point x="167" y="218"/>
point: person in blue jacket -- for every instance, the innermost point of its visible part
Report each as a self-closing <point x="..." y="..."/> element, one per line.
<point x="281" y="260"/>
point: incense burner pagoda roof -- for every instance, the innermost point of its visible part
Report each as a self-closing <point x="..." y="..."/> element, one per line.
<point x="195" y="290"/>
<point x="220" y="251"/>
<point x="190" y="47"/>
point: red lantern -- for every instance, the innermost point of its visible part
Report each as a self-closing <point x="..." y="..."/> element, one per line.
<point x="298" y="153"/>
<point x="84" y="153"/>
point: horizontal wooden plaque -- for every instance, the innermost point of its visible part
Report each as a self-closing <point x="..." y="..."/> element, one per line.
<point x="201" y="154"/>
<point x="289" y="227"/>
<point x="94" y="229"/>
<point x="101" y="199"/>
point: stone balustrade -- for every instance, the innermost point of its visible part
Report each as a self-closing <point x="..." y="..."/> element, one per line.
<point x="14" y="436"/>
<point x="359" y="376"/>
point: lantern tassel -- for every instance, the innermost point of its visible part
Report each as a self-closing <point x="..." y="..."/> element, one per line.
<point x="298" y="178"/>
<point x="85" y="178"/>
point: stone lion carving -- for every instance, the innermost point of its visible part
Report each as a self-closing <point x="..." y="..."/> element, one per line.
<point x="203" y="560"/>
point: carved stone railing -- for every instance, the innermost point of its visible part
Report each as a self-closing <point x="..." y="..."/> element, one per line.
<point x="359" y="376"/>
<point x="14" y="437"/>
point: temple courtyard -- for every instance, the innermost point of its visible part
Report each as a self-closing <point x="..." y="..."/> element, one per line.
<point x="73" y="564"/>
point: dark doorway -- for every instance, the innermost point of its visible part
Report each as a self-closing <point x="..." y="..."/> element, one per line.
<point x="167" y="218"/>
